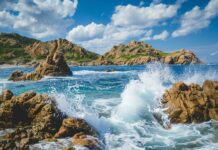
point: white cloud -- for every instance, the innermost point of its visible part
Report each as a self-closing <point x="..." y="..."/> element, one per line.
<point x="162" y="36"/>
<point x="38" y="18"/>
<point x="110" y="36"/>
<point x="143" y="16"/>
<point x="84" y="33"/>
<point x="197" y="19"/>
<point x="147" y="36"/>
<point x="127" y="23"/>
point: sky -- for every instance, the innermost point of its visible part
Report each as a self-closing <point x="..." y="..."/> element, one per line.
<point x="97" y="25"/>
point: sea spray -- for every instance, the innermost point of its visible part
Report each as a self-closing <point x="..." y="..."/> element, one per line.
<point x="141" y="96"/>
<point x="74" y="105"/>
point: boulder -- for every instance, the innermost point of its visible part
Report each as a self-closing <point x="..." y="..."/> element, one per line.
<point x="83" y="140"/>
<point x="54" y="65"/>
<point x="191" y="103"/>
<point x="71" y="126"/>
<point x="35" y="117"/>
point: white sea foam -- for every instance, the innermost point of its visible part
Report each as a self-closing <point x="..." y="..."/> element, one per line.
<point x="88" y="72"/>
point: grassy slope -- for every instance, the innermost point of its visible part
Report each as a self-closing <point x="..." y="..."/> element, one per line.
<point x="12" y="48"/>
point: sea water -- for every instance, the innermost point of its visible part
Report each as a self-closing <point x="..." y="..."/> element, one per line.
<point x="119" y="102"/>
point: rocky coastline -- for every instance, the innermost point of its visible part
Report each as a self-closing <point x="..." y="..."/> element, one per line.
<point x="35" y="117"/>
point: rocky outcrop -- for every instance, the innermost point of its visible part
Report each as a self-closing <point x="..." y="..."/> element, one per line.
<point x="35" y="117"/>
<point x="88" y="141"/>
<point x="138" y="53"/>
<point x="54" y="65"/>
<point x="74" y="54"/>
<point x="191" y="103"/>
<point x="181" y="57"/>
<point x="71" y="126"/>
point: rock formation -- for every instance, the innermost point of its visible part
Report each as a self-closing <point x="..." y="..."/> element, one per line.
<point x="54" y="65"/>
<point x="35" y="117"/>
<point x="86" y="141"/>
<point x="20" y="50"/>
<point x="138" y="53"/>
<point x="191" y="103"/>
<point x="181" y="57"/>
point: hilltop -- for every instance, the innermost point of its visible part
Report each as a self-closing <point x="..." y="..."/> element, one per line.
<point x="136" y="53"/>
<point x="19" y="50"/>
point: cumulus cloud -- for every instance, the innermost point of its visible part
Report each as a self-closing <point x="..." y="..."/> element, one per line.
<point x="84" y="33"/>
<point x="197" y="19"/>
<point x="38" y="18"/>
<point x="127" y="23"/>
<point x="162" y="36"/>
<point x="143" y="16"/>
<point x="108" y="36"/>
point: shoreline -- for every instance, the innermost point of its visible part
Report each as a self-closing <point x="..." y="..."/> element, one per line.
<point x="14" y="66"/>
<point x="2" y="66"/>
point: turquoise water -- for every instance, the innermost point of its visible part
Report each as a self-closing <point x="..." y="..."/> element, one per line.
<point x="119" y="104"/>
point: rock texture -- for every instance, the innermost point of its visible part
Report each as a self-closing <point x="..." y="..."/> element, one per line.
<point x="88" y="141"/>
<point x="71" y="126"/>
<point x="35" y="117"/>
<point x="74" y="54"/>
<point x="138" y="53"/>
<point x="54" y="65"/>
<point x="181" y="57"/>
<point x="192" y="103"/>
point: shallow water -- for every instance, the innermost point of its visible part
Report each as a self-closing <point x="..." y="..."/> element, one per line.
<point x="120" y="104"/>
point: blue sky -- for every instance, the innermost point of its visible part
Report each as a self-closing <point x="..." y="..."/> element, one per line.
<point x="99" y="24"/>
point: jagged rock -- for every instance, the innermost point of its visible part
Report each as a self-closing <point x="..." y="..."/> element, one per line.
<point x="137" y="53"/>
<point x="74" y="54"/>
<point x="191" y="103"/>
<point x="54" y="65"/>
<point x="71" y="126"/>
<point x="88" y="141"/>
<point x="35" y="117"/>
<point x="181" y="57"/>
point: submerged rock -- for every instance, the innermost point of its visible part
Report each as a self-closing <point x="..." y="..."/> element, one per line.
<point x="35" y="117"/>
<point x="54" y="65"/>
<point x="191" y="103"/>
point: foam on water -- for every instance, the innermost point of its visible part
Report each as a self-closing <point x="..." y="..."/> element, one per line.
<point x="141" y="95"/>
<point x="89" y="72"/>
<point x="135" y="126"/>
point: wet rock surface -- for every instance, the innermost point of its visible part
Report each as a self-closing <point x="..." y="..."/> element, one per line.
<point x="54" y="65"/>
<point x="83" y="140"/>
<point x="35" y="117"/>
<point x="191" y="103"/>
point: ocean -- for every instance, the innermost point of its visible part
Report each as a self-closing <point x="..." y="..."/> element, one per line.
<point x="119" y="102"/>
